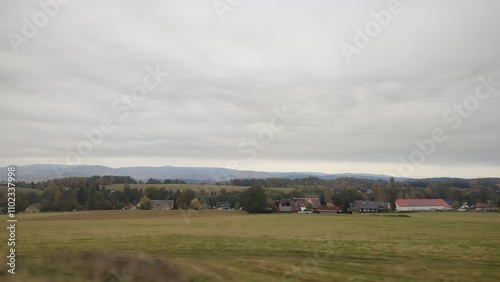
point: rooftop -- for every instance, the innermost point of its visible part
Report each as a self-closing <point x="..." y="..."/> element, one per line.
<point x="421" y="203"/>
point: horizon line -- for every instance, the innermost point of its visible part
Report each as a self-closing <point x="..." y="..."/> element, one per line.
<point x="249" y="170"/>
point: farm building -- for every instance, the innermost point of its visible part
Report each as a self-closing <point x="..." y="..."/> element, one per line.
<point x="326" y="210"/>
<point x="36" y="207"/>
<point x="162" y="204"/>
<point x="368" y="206"/>
<point x="484" y="207"/>
<point x="422" y="205"/>
<point x="298" y="204"/>
<point x="130" y="206"/>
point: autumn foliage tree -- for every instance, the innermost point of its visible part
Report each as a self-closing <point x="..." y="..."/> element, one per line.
<point x="184" y="199"/>
<point x="145" y="203"/>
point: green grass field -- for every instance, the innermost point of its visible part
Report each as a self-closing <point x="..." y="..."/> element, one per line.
<point x="4" y="188"/>
<point x="234" y="246"/>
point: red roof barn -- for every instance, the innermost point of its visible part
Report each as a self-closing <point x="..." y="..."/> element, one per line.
<point x="421" y="205"/>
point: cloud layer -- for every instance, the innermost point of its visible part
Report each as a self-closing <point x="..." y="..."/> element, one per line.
<point x="228" y="78"/>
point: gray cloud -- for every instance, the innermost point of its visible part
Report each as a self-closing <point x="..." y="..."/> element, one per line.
<point x="227" y="77"/>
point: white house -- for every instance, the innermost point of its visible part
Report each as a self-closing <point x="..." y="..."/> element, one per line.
<point x="36" y="207"/>
<point x="162" y="204"/>
<point x="464" y="207"/>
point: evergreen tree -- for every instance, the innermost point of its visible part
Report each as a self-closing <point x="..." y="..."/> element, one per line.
<point x="393" y="194"/>
<point x="254" y="199"/>
<point x="81" y="197"/>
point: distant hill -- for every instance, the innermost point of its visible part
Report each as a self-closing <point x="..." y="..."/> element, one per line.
<point x="38" y="172"/>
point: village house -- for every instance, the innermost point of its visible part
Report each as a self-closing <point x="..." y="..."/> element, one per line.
<point x="422" y="205"/>
<point x="298" y="204"/>
<point x="224" y="205"/>
<point x="484" y="207"/>
<point x="36" y="207"/>
<point x="162" y="204"/>
<point x="285" y="205"/>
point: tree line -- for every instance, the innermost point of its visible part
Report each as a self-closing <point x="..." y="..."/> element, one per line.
<point x="92" y="193"/>
<point x="458" y="190"/>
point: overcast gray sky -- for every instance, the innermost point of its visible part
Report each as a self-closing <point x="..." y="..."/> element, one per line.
<point x="263" y="85"/>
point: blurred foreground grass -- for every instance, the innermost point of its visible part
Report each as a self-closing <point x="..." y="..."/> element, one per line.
<point x="135" y="245"/>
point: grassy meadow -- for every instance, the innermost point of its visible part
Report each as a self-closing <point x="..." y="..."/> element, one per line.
<point x="134" y="245"/>
<point x="4" y="189"/>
